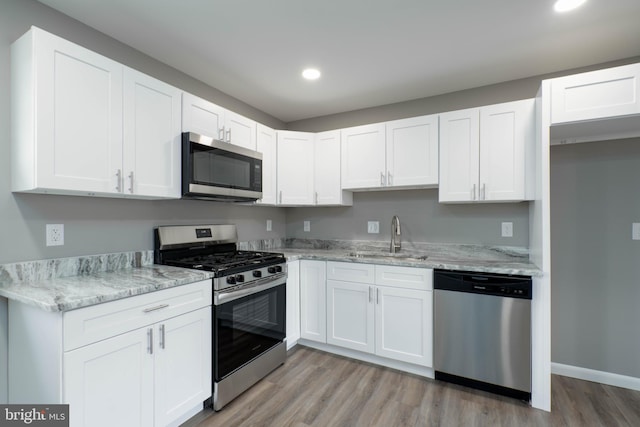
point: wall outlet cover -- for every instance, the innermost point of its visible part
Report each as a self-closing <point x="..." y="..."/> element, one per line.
<point x="307" y="226"/>
<point x="507" y="229"/>
<point x="269" y="225"/>
<point x="373" y="227"/>
<point x="635" y="231"/>
<point x="55" y="234"/>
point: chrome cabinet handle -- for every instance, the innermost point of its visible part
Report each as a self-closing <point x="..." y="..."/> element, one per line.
<point x="280" y="197"/>
<point x="221" y="133"/>
<point x="229" y="136"/>
<point x="484" y="191"/>
<point x="162" y="342"/>
<point x="370" y="294"/>
<point x="389" y="178"/>
<point x="377" y="295"/>
<point x="131" y="178"/>
<point x="382" y="179"/>
<point x="119" y="181"/>
<point x="157" y="307"/>
<point x="316" y="198"/>
<point x="473" y="192"/>
<point x="150" y="340"/>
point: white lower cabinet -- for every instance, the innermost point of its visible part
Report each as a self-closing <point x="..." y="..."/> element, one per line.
<point x="383" y="310"/>
<point x="313" y="314"/>
<point x="293" y="303"/>
<point x="139" y="361"/>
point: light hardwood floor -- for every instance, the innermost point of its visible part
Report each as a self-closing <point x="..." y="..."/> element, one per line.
<point x="315" y="388"/>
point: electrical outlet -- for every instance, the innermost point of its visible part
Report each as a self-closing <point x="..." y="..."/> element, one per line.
<point x="307" y="226"/>
<point x="635" y="231"/>
<point x="507" y="229"/>
<point x="269" y="225"/>
<point x="55" y="234"/>
<point x="373" y="227"/>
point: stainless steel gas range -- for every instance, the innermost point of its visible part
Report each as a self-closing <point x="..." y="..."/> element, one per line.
<point x="249" y="294"/>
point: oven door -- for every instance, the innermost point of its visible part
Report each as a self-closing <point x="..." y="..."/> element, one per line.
<point x="247" y="326"/>
<point x="218" y="170"/>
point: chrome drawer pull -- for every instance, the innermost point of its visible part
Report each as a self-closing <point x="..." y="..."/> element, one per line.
<point x="158" y="307"/>
<point x="150" y="340"/>
<point x="162" y="342"/>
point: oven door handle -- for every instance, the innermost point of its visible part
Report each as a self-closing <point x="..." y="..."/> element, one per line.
<point x="220" y="298"/>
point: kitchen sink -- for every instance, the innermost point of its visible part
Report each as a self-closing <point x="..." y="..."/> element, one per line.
<point x="388" y="255"/>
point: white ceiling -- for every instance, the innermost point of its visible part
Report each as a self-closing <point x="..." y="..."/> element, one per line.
<point x="370" y="52"/>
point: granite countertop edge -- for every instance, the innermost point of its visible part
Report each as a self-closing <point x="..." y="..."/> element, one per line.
<point x="69" y="293"/>
<point x="515" y="266"/>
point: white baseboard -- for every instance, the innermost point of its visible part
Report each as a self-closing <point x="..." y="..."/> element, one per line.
<point x="602" y="377"/>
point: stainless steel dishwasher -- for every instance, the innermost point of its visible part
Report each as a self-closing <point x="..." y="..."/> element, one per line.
<point x="482" y="331"/>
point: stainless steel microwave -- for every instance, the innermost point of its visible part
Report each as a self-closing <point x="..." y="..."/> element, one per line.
<point x="217" y="170"/>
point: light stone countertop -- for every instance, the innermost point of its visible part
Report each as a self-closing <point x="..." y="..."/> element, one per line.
<point x="488" y="259"/>
<point x="68" y="283"/>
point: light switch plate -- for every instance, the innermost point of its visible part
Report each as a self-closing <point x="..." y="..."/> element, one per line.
<point x="373" y="227"/>
<point x="507" y="229"/>
<point x="55" y="234"/>
<point x="307" y="226"/>
<point x="635" y="231"/>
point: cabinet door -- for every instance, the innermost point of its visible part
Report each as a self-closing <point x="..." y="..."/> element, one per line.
<point x="201" y="116"/>
<point x="183" y="375"/>
<point x="350" y="315"/>
<point x="266" y="144"/>
<point x="78" y="117"/>
<point x="151" y="137"/>
<point x="363" y="156"/>
<point x="596" y="95"/>
<point x="506" y="131"/>
<point x="110" y="383"/>
<point x="412" y="152"/>
<point x="404" y="325"/>
<point x="328" y="189"/>
<point x="293" y="303"/>
<point x="313" y="303"/>
<point x="459" y="156"/>
<point x="295" y="168"/>
<point x="240" y="130"/>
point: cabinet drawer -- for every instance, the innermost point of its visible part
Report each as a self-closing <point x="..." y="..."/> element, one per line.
<point x="350" y="272"/>
<point x="98" y="322"/>
<point x="404" y="277"/>
<point x="596" y="94"/>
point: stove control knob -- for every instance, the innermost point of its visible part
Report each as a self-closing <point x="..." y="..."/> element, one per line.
<point x="231" y="280"/>
<point x="257" y="273"/>
<point x="239" y="278"/>
<point x="271" y="270"/>
<point x="279" y="268"/>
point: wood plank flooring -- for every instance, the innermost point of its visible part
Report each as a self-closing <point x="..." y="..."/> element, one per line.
<point x="315" y="388"/>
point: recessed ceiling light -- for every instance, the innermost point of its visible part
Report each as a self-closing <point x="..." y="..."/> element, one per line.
<point x="311" y="74"/>
<point x="567" y="5"/>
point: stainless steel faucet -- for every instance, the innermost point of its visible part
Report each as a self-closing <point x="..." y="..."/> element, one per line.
<point x="395" y="235"/>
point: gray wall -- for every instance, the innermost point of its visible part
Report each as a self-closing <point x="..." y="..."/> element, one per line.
<point x="595" y="265"/>
<point x="423" y="219"/>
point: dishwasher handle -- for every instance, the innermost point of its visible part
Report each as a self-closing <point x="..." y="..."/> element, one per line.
<point x="501" y="285"/>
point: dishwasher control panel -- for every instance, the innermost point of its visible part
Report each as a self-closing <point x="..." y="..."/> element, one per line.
<point x="484" y="283"/>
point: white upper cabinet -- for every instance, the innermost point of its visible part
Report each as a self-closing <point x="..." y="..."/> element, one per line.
<point x="486" y="154"/>
<point x="66" y="117"/>
<point x="363" y="156"/>
<point x="151" y="136"/>
<point x="396" y="154"/>
<point x="327" y="183"/>
<point x="295" y="168"/>
<point x="598" y="94"/>
<point x="412" y="152"/>
<point x="206" y="118"/>
<point x="267" y="145"/>
<point x="86" y="125"/>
